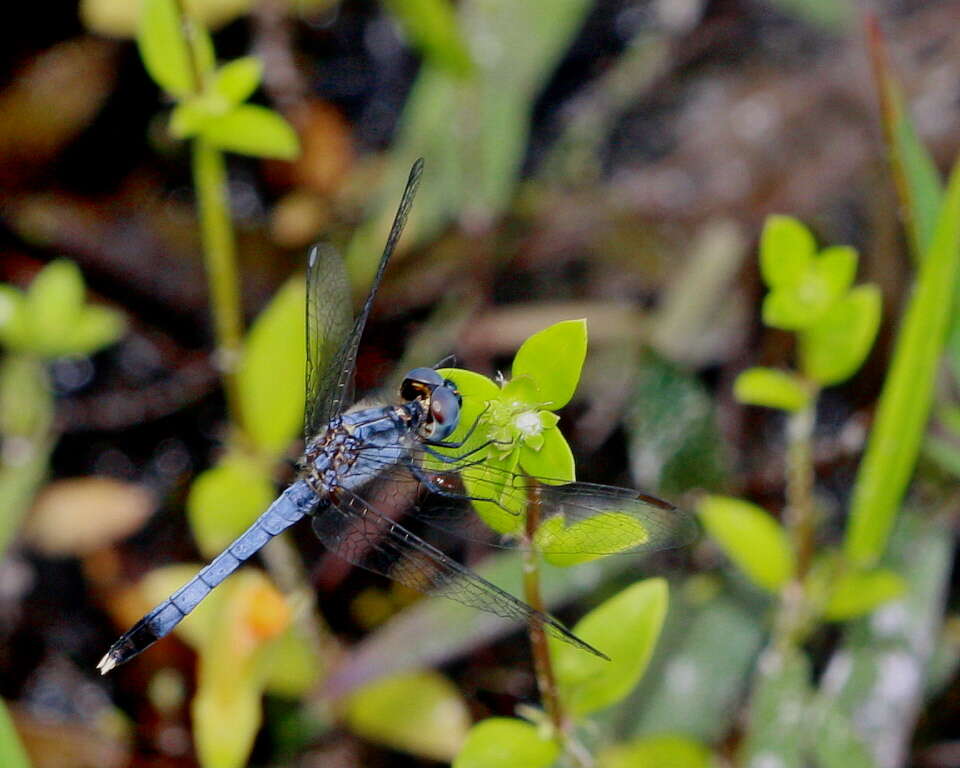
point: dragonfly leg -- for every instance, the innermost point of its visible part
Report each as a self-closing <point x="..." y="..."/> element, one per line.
<point x="460" y="443"/>
<point x="440" y="490"/>
<point x="428" y="447"/>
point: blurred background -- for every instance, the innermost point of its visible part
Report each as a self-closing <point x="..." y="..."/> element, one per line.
<point x="613" y="160"/>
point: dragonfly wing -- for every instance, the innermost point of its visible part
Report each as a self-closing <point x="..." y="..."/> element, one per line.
<point x="329" y="317"/>
<point x="359" y="534"/>
<point x="576" y="518"/>
<point x="334" y="389"/>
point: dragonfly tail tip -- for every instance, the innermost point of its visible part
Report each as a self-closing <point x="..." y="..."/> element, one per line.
<point x="107" y="663"/>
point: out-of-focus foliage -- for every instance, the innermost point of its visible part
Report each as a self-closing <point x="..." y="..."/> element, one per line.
<point x="419" y="712"/>
<point x="626" y="627"/>
<point x="52" y="318"/>
<point x="647" y="156"/>
<point x="667" y="751"/>
<point x="751" y="538"/>
<point x="11" y="751"/>
<point x="907" y="396"/>
<point x="501" y="742"/>
<point x="178" y="53"/>
<point x="272" y="371"/>
<point x="473" y="127"/>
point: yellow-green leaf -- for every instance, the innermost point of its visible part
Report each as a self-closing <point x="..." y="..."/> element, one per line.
<point x="54" y="301"/>
<point x="856" y="593"/>
<point x="834" y="347"/>
<point x="751" y="538"/>
<point x="566" y="546"/>
<point x="625" y="627"/>
<point x="249" y="129"/>
<point x="419" y="712"/>
<point x="506" y="742"/>
<point x="553" y="359"/>
<point x="553" y="460"/>
<point x="225" y="500"/>
<point x="163" y="47"/>
<point x="772" y="388"/>
<point x="272" y="370"/>
<point x="662" y="751"/>
<point x="238" y="79"/>
<point x="786" y="250"/>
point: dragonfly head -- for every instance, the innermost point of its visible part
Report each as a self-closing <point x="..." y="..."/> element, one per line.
<point x="439" y="399"/>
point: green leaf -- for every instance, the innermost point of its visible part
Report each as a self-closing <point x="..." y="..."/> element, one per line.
<point x="625" y="627"/>
<point x="163" y="47"/>
<point x="786" y="251"/>
<point x="53" y="305"/>
<point x="272" y="370"/>
<point x="225" y="722"/>
<point x="14" y="328"/>
<point x="674" y="441"/>
<point x="225" y="500"/>
<point x="667" y="751"/>
<point x="96" y="327"/>
<point x="238" y="79"/>
<point x="771" y="388"/>
<point x="918" y="183"/>
<point x="834" y="347"/>
<point x="235" y="654"/>
<point x="778" y="711"/>
<point x="554" y="459"/>
<point x="801" y="296"/>
<point x="12" y="752"/>
<point x="190" y="116"/>
<point x="249" y="129"/>
<point x="904" y="407"/>
<point x="836" y="266"/>
<point x="751" y="538"/>
<point x="506" y="513"/>
<point x="296" y="668"/>
<point x="432" y="27"/>
<point x="553" y="358"/>
<point x="856" y="593"/>
<point x="506" y="742"/>
<point x="420" y="712"/>
<point x="569" y="545"/>
<point x="708" y="654"/>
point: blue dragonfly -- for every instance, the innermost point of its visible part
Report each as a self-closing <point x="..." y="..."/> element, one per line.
<point x="362" y="460"/>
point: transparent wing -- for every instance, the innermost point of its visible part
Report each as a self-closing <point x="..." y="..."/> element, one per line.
<point x="575" y="518"/>
<point x="329" y="317"/>
<point x="357" y="532"/>
<point x="334" y="388"/>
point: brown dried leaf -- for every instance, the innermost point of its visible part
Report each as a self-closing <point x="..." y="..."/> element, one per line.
<point x="78" y="516"/>
<point x="51" y="100"/>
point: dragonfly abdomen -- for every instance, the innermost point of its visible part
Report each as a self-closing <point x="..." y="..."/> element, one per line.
<point x="292" y="504"/>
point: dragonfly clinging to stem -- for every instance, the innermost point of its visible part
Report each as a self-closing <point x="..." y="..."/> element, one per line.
<point x="355" y="457"/>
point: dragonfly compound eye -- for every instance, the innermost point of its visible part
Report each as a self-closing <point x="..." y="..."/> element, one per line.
<point x="420" y="382"/>
<point x="444" y="413"/>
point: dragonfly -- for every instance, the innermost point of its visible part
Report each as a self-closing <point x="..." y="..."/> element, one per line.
<point x="363" y="460"/>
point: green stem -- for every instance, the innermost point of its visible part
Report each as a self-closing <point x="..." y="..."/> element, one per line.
<point x="210" y="182"/>
<point x="801" y="512"/>
<point x="794" y="611"/>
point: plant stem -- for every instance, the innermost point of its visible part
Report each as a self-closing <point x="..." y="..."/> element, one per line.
<point x="801" y="513"/>
<point x="543" y="668"/>
<point x="210" y="182"/>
